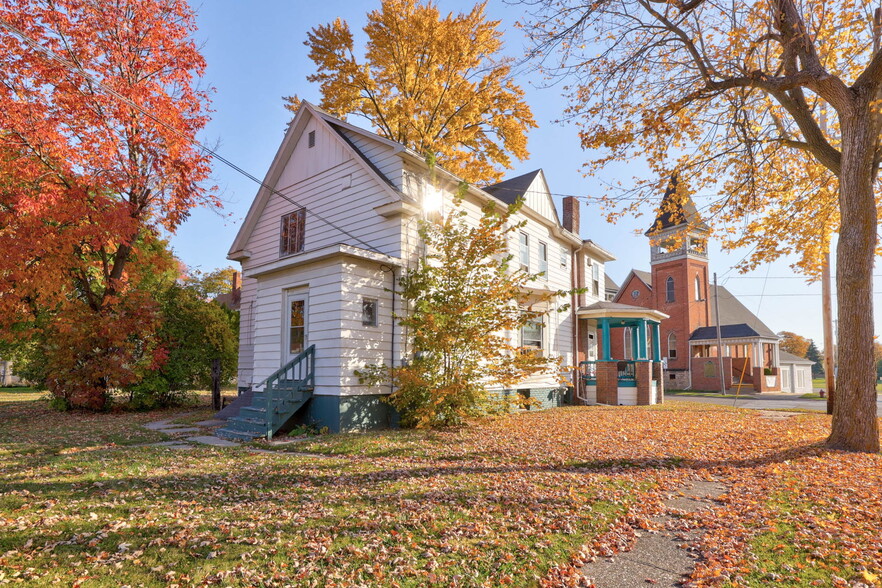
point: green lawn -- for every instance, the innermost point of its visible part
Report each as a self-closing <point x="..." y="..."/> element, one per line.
<point x="518" y="500"/>
<point x="822" y="383"/>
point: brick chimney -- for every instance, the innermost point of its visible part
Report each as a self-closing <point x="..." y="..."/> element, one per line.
<point x="571" y="214"/>
<point x="237" y="289"/>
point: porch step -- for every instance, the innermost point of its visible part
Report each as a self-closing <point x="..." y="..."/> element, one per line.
<point x="232" y="409"/>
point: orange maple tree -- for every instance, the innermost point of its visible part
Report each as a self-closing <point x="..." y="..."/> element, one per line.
<point x="774" y="104"/>
<point x="435" y="84"/>
<point x="98" y="111"/>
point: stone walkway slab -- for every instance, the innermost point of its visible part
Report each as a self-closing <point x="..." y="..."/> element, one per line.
<point x="657" y="558"/>
<point x="213" y="441"/>
<point x="210" y="423"/>
<point x="179" y="430"/>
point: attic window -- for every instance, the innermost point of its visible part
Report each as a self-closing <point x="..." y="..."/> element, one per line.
<point x="310" y="138"/>
<point x="293" y="225"/>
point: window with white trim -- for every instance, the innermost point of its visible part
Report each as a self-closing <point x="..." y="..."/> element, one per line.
<point x="595" y="279"/>
<point x="532" y="334"/>
<point x="292" y="232"/>
<point x="525" y="251"/>
<point x="543" y="259"/>
<point x="369" y="312"/>
<point x="564" y="256"/>
<point x="672" y="345"/>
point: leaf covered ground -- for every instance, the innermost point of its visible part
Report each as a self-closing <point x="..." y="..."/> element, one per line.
<point x="520" y="500"/>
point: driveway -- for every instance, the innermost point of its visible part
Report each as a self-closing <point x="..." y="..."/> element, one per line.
<point x="767" y="401"/>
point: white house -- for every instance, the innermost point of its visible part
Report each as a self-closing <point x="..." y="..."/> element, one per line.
<point x="327" y="236"/>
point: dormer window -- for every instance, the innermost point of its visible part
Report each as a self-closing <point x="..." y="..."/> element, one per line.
<point x="293" y="225"/>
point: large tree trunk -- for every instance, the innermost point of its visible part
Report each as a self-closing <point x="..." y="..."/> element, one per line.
<point x="855" y="426"/>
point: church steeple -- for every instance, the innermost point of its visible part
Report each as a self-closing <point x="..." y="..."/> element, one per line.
<point x="678" y="230"/>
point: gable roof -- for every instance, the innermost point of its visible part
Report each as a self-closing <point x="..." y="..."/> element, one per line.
<point x="305" y="113"/>
<point x="609" y="283"/>
<point x="510" y="190"/>
<point x="644" y="277"/>
<point x="732" y="312"/>
<point x="675" y="211"/>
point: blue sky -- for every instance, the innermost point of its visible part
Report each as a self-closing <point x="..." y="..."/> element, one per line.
<point x="256" y="55"/>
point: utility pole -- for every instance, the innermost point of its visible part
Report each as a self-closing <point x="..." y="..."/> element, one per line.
<point x="719" y="335"/>
<point x="827" y="300"/>
<point x="829" y="354"/>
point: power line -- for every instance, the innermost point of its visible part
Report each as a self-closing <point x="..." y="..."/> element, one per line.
<point x="214" y="154"/>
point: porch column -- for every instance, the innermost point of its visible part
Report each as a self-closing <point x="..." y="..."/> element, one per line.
<point x="635" y="343"/>
<point x="604" y="329"/>
<point x="644" y="347"/>
<point x="776" y="352"/>
<point x="656" y="342"/>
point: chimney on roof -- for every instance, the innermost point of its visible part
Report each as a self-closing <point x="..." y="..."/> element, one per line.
<point x="235" y="281"/>
<point x="571" y="214"/>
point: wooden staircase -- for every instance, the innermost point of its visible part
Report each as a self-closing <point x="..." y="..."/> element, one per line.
<point x="274" y="401"/>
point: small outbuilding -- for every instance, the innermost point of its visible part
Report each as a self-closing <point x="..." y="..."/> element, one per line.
<point x="796" y="373"/>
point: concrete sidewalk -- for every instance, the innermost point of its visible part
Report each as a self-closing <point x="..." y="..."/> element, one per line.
<point x="766" y="402"/>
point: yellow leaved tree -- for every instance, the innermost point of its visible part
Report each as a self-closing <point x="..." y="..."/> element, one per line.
<point x="436" y="85"/>
<point x="772" y="104"/>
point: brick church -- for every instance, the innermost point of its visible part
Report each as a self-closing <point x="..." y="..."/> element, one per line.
<point x="679" y="286"/>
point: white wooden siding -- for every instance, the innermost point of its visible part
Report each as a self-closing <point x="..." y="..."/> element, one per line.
<point x="380" y="154"/>
<point x="558" y="336"/>
<point x="246" y="343"/>
<point x="333" y="185"/>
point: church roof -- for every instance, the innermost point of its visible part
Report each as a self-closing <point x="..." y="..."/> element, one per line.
<point x="509" y="190"/>
<point x="676" y="210"/>
<point x="732" y="314"/>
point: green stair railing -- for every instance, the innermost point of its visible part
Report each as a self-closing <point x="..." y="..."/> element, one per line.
<point x="301" y="370"/>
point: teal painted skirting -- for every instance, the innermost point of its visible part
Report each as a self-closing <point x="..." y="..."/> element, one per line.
<point x="349" y="413"/>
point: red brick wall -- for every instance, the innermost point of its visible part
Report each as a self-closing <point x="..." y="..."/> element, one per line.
<point x="686" y="313"/>
<point x="710" y="383"/>
<point x="607" y="382"/>
<point x="759" y="380"/>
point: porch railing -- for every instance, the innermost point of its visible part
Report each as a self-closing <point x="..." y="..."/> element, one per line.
<point x="626" y="371"/>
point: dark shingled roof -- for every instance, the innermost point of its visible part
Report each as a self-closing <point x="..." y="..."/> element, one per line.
<point x="727" y="332"/>
<point x="675" y="211"/>
<point x="509" y="190"/>
<point x="610" y="284"/>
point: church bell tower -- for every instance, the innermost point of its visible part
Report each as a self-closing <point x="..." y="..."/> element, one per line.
<point x="680" y="286"/>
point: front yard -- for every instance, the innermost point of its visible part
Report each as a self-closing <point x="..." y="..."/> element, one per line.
<point x="519" y="500"/>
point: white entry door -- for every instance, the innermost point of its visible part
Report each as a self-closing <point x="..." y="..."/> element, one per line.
<point x="296" y="334"/>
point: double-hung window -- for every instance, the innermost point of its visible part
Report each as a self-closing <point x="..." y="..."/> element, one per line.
<point x="531" y="335"/>
<point x="525" y="251"/>
<point x="543" y="259"/>
<point x="293" y="225"/>
<point x="595" y="279"/>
